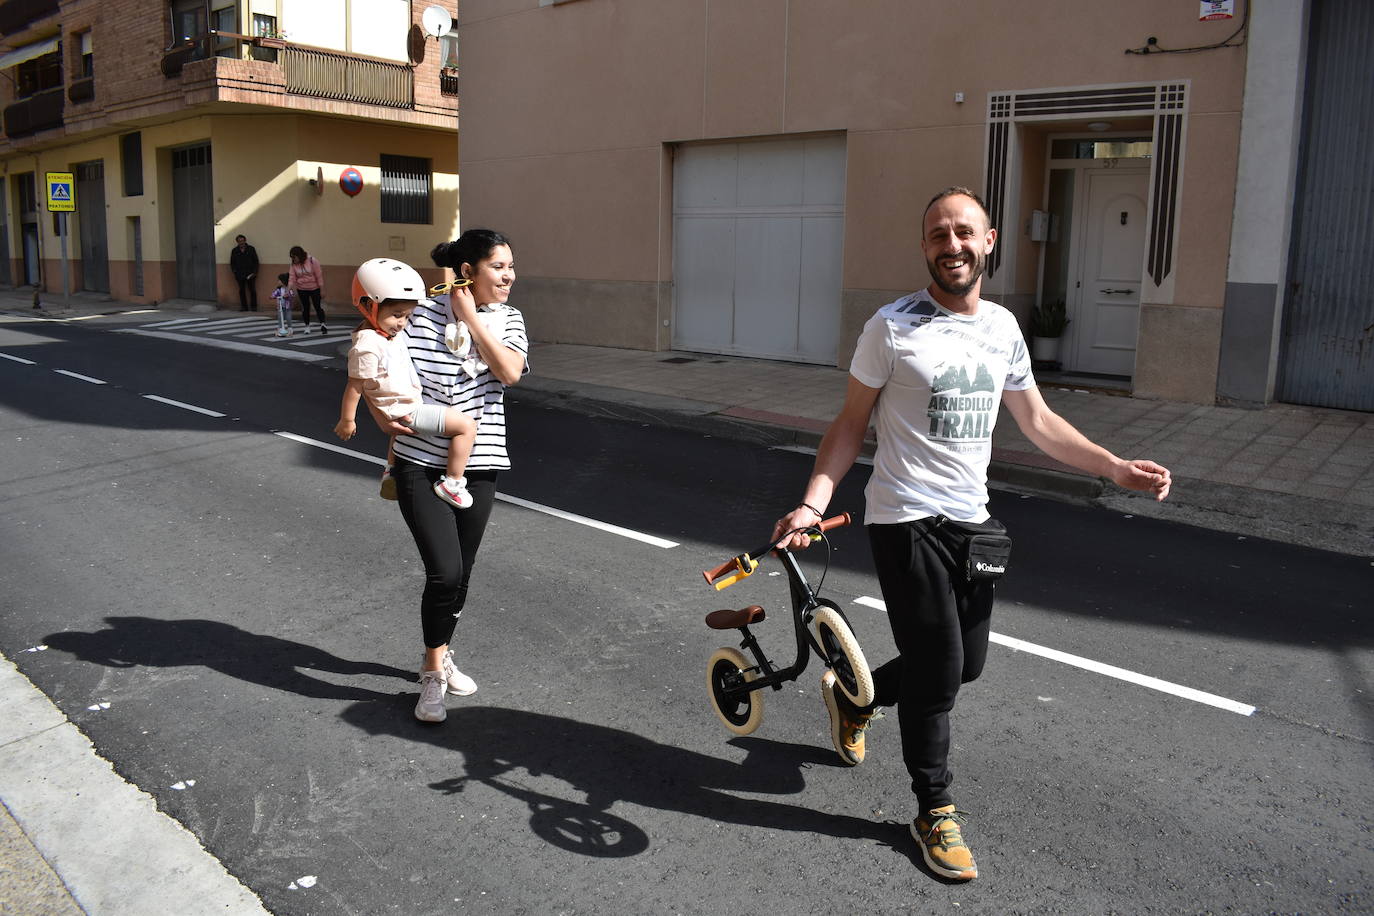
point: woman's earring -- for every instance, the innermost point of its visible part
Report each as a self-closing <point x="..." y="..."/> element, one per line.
<point x="451" y="285"/>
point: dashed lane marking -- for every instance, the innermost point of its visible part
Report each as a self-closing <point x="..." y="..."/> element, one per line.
<point x="183" y="405"/>
<point x="259" y="349"/>
<point x="1087" y="664"/>
<point x="78" y="375"/>
<point x="19" y="359"/>
<point x="513" y="500"/>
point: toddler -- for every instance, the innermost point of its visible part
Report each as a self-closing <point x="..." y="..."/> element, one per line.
<point x="285" y="298"/>
<point x="379" y="369"/>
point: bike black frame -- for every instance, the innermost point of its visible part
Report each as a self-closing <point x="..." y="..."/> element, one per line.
<point x="804" y="605"/>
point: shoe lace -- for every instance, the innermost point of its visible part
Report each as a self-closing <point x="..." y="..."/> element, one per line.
<point x="431" y="686"/>
<point x="945" y="826"/>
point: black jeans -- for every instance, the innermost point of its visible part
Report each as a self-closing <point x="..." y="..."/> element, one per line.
<point x="447" y="539"/>
<point x="248" y="292"/>
<point x="940" y="623"/>
<point x="308" y="296"/>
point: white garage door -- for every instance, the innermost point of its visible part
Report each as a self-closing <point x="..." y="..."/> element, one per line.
<point x="758" y="232"/>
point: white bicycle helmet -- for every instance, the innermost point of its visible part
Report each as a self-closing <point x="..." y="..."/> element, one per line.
<point x="384" y="278"/>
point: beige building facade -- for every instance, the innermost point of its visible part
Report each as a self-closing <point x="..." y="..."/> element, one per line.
<point x="747" y="176"/>
<point x="186" y="123"/>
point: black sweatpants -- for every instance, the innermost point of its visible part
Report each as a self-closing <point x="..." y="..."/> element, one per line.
<point x="940" y="623"/>
<point x="447" y="538"/>
<point x="307" y="298"/>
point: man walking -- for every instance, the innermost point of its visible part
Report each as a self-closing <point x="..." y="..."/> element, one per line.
<point x="243" y="261"/>
<point x="930" y="370"/>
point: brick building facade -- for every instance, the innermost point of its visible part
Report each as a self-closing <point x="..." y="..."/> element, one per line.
<point x="187" y="122"/>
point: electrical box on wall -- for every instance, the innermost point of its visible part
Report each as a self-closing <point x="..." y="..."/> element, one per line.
<point x="1039" y="226"/>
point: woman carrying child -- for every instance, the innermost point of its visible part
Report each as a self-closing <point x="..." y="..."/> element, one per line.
<point x="380" y="370"/>
<point x="467" y="346"/>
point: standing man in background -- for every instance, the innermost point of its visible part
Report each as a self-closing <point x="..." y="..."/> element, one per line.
<point x="243" y="261"/>
<point x="931" y="369"/>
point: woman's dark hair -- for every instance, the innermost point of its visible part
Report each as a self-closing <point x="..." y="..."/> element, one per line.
<point x="298" y="253"/>
<point x="471" y="247"/>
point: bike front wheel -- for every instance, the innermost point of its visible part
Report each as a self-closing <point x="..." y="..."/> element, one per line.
<point x="843" y="655"/>
<point x="741" y="713"/>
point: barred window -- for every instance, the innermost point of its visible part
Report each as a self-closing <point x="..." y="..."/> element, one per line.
<point x="406" y="187"/>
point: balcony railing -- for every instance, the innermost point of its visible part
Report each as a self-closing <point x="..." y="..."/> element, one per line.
<point x="326" y="75"/>
<point x="41" y="111"/>
<point x="448" y="82"/>
<point x="307" y="71"/>
<point x="16" y="15"/>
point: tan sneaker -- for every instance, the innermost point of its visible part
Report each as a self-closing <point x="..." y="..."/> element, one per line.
<point x="942" y="843"/>
<point x="847" y="722"/>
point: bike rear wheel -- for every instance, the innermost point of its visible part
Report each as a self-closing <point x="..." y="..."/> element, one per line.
<point x="741" y="713"/>
<point x="843" y="655"/>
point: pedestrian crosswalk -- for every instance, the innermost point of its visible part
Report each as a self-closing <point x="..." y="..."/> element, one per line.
<point x="249" y="333"/>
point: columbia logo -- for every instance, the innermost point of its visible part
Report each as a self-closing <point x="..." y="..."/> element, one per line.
<point x="990" y="568"/>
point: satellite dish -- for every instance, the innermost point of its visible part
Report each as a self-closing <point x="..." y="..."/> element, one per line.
<point x="437" y="21"/>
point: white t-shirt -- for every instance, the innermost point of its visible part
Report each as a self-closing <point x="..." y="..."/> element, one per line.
<point x="389" y="379"/>
<point x="942" y="377"/>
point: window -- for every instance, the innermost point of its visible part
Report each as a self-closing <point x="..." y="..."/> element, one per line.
<point x="190" y="22"/>
<point x="265" y="26"/>
<point x="86" y="64"/>
<point x="131" y="162"/>
<point x="226" y="19"/>
<point x="39" y="74"/>
<point x="406" y="185"/>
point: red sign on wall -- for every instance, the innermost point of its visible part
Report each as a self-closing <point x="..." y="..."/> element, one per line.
<point x="351" y="180"/>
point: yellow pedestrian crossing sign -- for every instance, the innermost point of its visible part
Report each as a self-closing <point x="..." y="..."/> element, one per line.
<point x="61" y="192"/>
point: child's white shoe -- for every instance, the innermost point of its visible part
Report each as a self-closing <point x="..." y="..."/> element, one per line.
<point x="453" y="491"/>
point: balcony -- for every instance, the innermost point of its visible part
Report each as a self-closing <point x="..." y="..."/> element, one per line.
<point x="307" y="71"/>
<point x="17" y="15"/>
<point x="328" y="75"/>
<point x="42" y="111"/>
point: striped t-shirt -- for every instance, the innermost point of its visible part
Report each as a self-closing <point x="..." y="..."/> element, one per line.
<point x="442" y="381"/>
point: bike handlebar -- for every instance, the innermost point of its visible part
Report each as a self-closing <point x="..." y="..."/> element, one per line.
<point x="736" y="568"/>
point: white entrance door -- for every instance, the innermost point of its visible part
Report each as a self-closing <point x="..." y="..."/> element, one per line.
<point x="1106" y="316"/>
<point x="758" y="233"/>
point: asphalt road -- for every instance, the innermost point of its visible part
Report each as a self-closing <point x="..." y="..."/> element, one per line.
<point x="246" y="606"/>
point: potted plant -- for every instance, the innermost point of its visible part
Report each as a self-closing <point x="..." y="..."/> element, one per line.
<point x="1048" y="322"/>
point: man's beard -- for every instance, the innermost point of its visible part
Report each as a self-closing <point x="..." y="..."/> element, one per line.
<point x="975" y="272"/>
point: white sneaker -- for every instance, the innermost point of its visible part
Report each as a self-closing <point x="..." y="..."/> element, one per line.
<point x="458" y="683"/>
<point x="453" y="492"/>
<point x="430" y="708"/>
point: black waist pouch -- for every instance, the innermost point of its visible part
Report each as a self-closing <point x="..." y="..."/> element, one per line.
<point x="983" y="549"/>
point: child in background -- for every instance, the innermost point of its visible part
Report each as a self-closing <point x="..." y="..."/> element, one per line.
<point x="285" y="299"/>
<point x="379" y="369"/>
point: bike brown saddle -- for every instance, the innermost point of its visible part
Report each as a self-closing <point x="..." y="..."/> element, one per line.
<point x="733" y="620"/>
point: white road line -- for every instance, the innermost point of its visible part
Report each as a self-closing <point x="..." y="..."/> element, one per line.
<point x="78" y="375"/>
<point x="589" y="522"/>
<point x="805" y="450"/>
<point x="184" y="406"/>
<point x="176" y="322"/>
<point x="280" y="352"/>
<point x="247" y="328"/>
<point x="513" y="500"/>
<point x="316" y="341"/>
<point x="107" y="315"/>
<point x="19" y="359"/>
<point x="331" y="447"/>
<point x="1133" y="677"/>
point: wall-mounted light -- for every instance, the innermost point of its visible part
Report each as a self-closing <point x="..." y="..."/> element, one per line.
<point x="1100" y="125"/>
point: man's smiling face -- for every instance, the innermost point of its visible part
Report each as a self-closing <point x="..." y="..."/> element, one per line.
<point x="956" y="240"/>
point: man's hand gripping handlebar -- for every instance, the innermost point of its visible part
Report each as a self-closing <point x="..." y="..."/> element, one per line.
<point x="736" y="568"/>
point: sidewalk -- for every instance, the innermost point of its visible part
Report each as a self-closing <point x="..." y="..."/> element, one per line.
<point x="1296" y="474"/>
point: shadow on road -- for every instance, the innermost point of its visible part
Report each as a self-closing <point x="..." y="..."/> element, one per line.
<point x="267" y="660"/>
<point x="611" y="765"/>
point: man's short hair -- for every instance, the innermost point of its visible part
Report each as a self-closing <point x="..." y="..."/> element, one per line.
<point x="240" y="236"/>
<point x="958" y="191"/>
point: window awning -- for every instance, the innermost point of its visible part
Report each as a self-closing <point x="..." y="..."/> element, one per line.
<point x="28" y="52"/>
